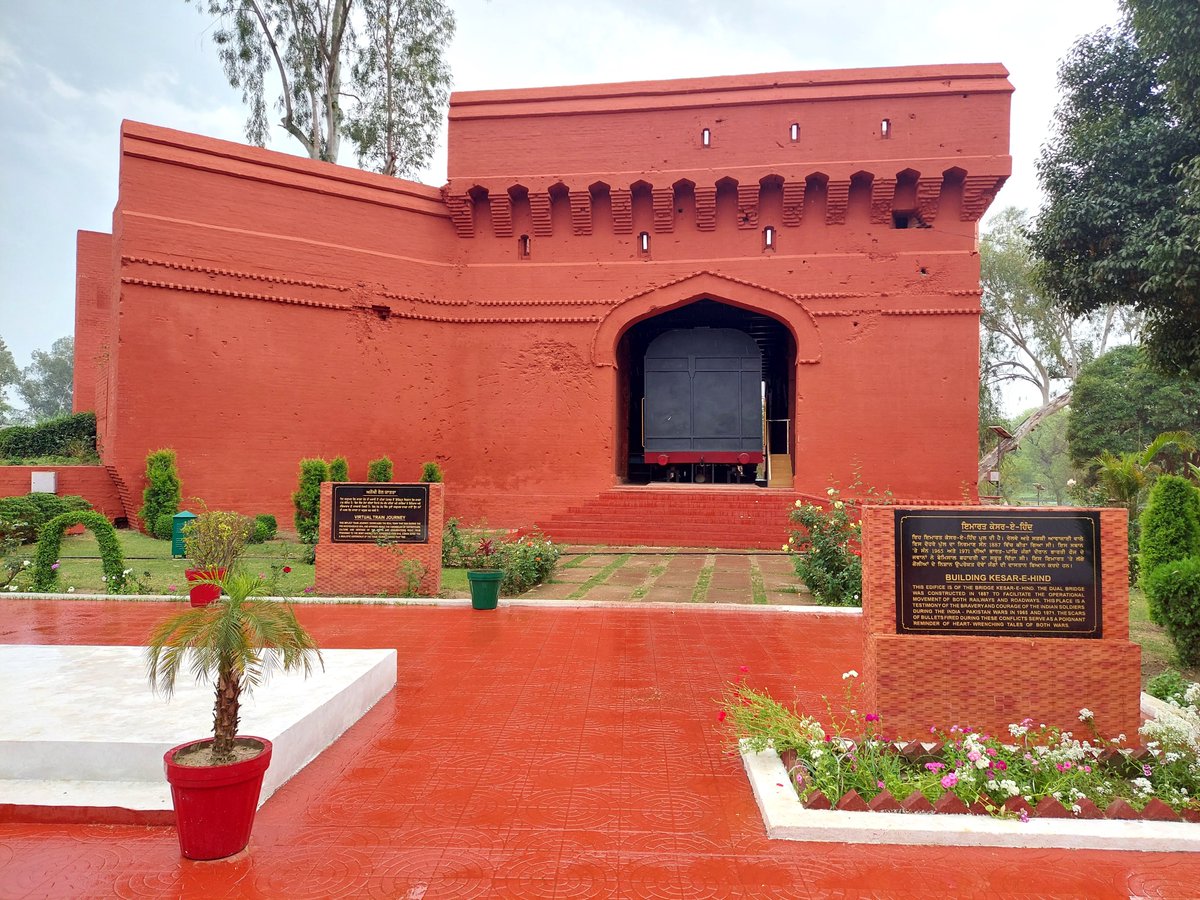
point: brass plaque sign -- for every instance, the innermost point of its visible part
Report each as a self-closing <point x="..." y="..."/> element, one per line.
<point x="1001" y="574"/>
<point x="377" y="512"/>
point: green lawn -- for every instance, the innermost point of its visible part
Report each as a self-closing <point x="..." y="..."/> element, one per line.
<point x="158" y="573"/>
<point x="1158" y="653"/>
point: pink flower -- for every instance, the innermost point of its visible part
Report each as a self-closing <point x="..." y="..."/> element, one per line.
<point x="743" y="668"/>
<point x="872" y="717"/>
<point x="1001" y="765"/>
<point x="880" y="785"/>
<point x="1146" y="771"/>
<point x="949" y="781"/>
<point x="286" y="569"/>
<point x="54" y="567"/>
<point x="171" y="588"/>
<point x="935" y="766"/>
<point x="973" y="756"/>
<point x="1086" y="768"/>
<point x="1024" y="816"/>
<point x="308" y="590"/>
<point x="991" y="751"/>
<point x="721" y="715"/>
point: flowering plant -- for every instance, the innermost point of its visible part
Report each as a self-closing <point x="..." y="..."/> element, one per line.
<point x="826" y="550"/>
<point x="984" y="771"/>
<point x="214" y="540"/>
<point x="485" y="556"/>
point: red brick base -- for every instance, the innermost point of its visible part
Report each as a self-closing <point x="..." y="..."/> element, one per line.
<point x="367" y="570"/>
<point x="918" y="681"/>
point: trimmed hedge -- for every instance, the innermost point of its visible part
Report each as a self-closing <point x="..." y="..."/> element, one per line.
<point x="45" y="575"/>
<point x="264" y="528"/>
<point x="379" y="469"/>
<point x="339" y="469"/>
<point x="1174" y="589"/>
<point x="162" y="494"/>
<point x="22" y="517"/>
<point x="307" y="499"/>
<point x="1170" y="529"/>
<point x="54" y="437"/>
<point x="431" y="473"/>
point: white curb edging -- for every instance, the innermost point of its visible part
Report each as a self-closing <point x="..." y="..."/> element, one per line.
<point x="786" y="819"/>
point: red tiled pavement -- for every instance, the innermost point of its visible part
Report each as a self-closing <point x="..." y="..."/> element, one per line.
<point x="539" y="753"/>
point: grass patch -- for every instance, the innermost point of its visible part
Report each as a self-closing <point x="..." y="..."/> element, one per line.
<point x="600" y="577"/>
<point x="651" y="576"/>
<point x="758" y="589"/>
<point x="574" y="561"/>
<point x="454" y="583"/>
<point x="1158" y="651"/>
<point x="703" y="580"/>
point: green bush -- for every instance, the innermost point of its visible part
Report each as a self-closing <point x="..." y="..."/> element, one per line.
<point x="339" y="469"/>
<point x="825" y="551"/>
<point x="265" y="528"/>
<point x="68" y="436"/>
<point x="431" y="472"/>
<point x="164" y="526"/>
<point x="307" y="499"/>
<point x="1170" y="528"/>
<point x="22" y="517"/>
<point x="45" y="558"/>
<point x="1174" y="588"/>
<point x="1170" y="685"/>
<point x="379" y="469"/>
<point x="456" y="549"/>
<point x="526" y="562"/>
<point x="162" y="494"/>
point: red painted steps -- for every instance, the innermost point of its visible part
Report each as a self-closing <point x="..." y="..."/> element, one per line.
<point x="719" y="516"/>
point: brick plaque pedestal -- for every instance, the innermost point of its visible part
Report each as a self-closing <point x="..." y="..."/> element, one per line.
<point x="366" y="539"/>
<point x="961" y="622"/>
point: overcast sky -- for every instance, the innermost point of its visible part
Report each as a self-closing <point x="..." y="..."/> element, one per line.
<point x="71" y="70"/>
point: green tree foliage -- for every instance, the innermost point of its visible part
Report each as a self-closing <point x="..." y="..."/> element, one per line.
<point x="1170" y="528"/>
<point x="379" y="469"/>
<point x="71" y="436"/>
<point x="1174" y="590"/>
<point x="47" y="383"/>
<point x="307" y="499"/>
<point x="162" y="494"/>
<point x="1120" y="222"/>
<point x="339" y="469"/>
<point x="9" y="377"/>
<point x="1120" y="405"/>
<point x="372" y="71"/>
<point x="1041" y="459"/>
<point x="431" y="472"/>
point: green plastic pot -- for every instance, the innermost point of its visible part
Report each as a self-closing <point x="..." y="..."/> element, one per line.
<point x="485" y="587"/>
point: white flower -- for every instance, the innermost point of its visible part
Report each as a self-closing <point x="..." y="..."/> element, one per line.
<point x="127" y="572"/>
<point x="70" y="590"/>
<point x="1070" y="483"/>
<point x="784" y="547"/>
<point x="799" y="503"/>
<point x="25" y="564"/>
<point x="838" y="504"/>
<point x="831" y="492"/>
<point x="1143" y="785"/>
<point x="850" y="674"/>
<point x="1086" y="715"/>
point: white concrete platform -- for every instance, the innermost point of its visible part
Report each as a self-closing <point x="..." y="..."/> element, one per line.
<point x="786" y="819"/>
<point x="81" y="729"/>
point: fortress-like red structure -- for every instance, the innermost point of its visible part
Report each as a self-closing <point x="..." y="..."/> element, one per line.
<point x="251" y="308"/>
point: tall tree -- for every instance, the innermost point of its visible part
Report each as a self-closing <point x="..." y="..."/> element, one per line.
<point x="46" y="384"/>
<point x="1122" y="214"/>
<point x="1027" y="338"/>
<point x="9" y="377"/>
<point x="372" y="71"/>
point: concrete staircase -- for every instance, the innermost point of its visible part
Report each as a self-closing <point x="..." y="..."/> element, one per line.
<point x="727" y="517"/>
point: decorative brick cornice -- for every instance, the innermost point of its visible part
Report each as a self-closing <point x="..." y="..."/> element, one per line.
<point x="581" y="213"/>
<point x="837" y="199"/>
<point x="706" y="208"/>
<point x="539" y="210"/>
<point x="883" y="193"/>
<point x="793" y="202"/>
<point x="502" y="222"/>
<point x="230" y="273"/>
<point x="240" y="295"/>
<point x="664" y="209"/>
<point x="747" y="200"/>
<point x="622" y="210"/>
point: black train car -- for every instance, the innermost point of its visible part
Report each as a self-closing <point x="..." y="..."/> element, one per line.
<point x="703" y="400"/>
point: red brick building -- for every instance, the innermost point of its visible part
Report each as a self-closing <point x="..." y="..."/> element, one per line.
<point x="251" y="308"/>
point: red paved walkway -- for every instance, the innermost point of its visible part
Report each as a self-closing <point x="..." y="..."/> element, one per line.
<point x="539" y="753"/>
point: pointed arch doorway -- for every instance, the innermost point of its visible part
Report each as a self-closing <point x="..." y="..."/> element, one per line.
<point x="706" y="396"/>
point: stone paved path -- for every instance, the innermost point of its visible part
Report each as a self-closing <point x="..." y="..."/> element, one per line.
<point x="674" y="576"/>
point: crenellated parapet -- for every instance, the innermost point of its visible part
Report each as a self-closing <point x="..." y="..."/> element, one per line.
<point x="867" y="148"/>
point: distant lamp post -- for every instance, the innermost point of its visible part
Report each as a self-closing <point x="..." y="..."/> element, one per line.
<point x="1004" y="435"/>
<point x="1039" y="488"/>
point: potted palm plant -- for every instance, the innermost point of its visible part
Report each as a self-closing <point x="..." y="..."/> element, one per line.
<point x="484" y="575"/>
<point x="213" y="541"/>
<point x="235" y="642"/>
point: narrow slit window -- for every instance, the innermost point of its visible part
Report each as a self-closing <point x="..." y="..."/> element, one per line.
<point x="885" y="129"/>
<point x="769" y="238"/>
<point x="644" y="243"/>
<point x="705" y="137"/>
<point x="794" y="131"/>
<point x="523" y="246"/>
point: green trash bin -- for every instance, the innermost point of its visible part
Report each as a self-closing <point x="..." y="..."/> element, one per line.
<point x="485" y="587"/>
<point x="178" y="521"/>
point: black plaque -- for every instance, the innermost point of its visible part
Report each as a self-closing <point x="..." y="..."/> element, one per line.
<point x="1000" y="574"/>
<point x="376" y="512"/>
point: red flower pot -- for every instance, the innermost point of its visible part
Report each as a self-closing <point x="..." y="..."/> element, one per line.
<point x="204" y="594"/>
<point x="215" y="805"/>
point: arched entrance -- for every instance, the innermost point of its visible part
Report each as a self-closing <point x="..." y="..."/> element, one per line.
<point x="705" y="395"/>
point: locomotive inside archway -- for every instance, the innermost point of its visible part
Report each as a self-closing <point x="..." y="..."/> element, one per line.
<point x="706" y="397"/>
